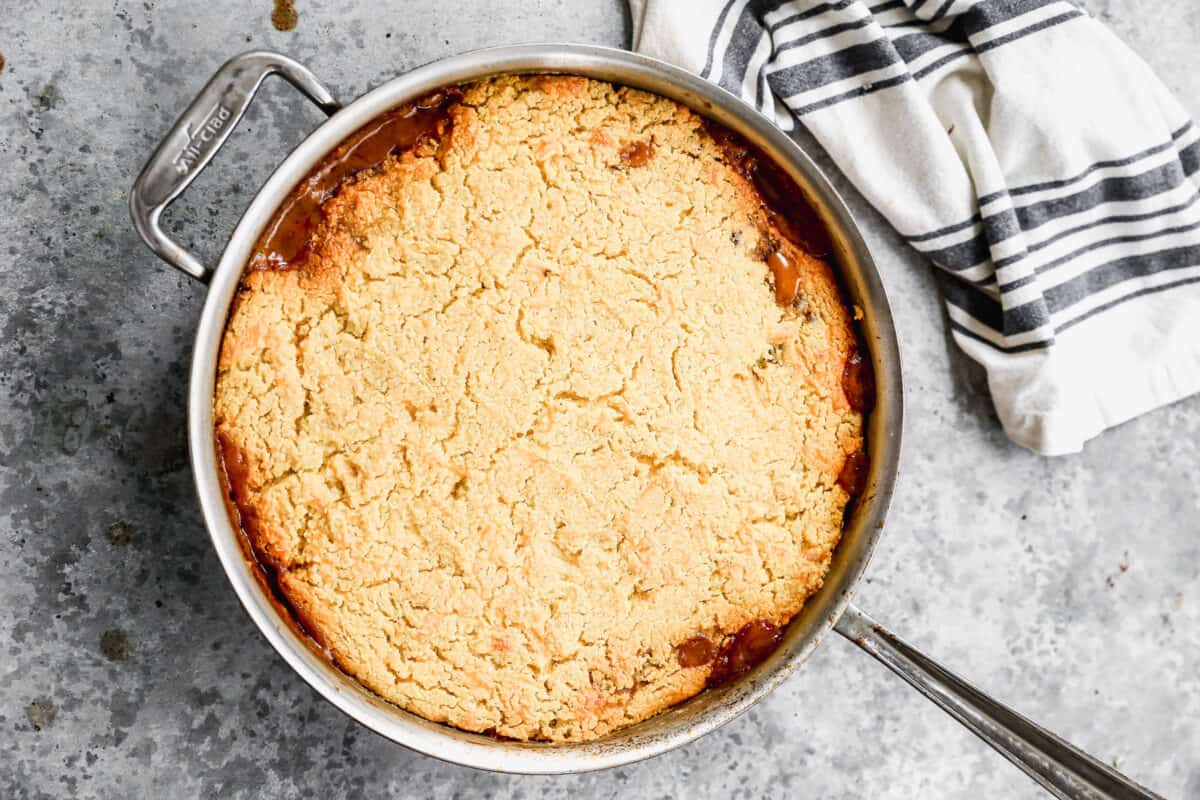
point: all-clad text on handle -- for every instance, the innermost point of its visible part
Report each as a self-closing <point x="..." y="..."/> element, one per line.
<point x="196" y="137"/>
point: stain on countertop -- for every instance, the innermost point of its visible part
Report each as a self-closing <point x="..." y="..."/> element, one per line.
<point x="114" y="644"/>
<point x="120" y="534"/>
<point x="41" y="713"/>
<point x="284" y="16"/>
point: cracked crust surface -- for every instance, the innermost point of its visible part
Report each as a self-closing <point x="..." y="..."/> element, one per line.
<point x="529" y="416"/>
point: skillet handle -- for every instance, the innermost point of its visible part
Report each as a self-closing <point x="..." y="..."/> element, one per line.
<point x="197" y="136"/>
<point x="1062" y="769"/>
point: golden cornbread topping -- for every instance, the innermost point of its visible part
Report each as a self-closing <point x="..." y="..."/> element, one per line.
<point x="552" y="421"/>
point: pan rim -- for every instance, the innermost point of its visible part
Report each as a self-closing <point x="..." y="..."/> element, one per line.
<point x="705" y="712"/>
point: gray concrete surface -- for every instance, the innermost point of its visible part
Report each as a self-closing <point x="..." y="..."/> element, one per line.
<point x="1069" y="588"/>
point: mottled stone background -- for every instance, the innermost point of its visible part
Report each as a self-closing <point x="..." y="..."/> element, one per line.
<point x="1068" y="587"/>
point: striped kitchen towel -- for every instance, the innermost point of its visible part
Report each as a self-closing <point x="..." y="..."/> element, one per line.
<point x="1023" y="149"/>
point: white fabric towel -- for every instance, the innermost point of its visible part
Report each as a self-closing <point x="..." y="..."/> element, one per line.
<point x="1028" y="153"/>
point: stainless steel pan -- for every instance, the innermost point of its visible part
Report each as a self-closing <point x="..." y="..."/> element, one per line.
<point x="190" y="145"/>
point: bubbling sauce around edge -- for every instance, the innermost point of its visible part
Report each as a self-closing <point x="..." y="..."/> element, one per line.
<point x="287" y="240"/>
<point x="745" y="650"/>
<point x="234" y="475"/>
<point x="790" y="212"/>
<point x="233" y="472"/>
<point x="696" y="651"/>
<point x="785" y="204"/>
<point x="786" y="277"/>
<point x="858" y="382"/>
<point x="853" y="475"/>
